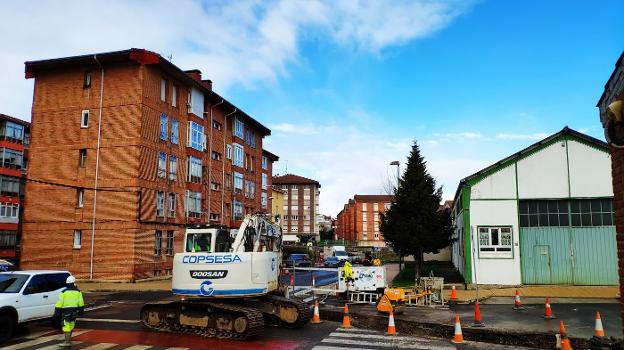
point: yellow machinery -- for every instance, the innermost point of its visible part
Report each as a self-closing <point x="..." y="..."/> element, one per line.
<point x="392" y="299"/>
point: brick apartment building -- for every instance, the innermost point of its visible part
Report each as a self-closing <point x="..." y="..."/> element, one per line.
<point x="301" y="204"/>
<point x="358" y="222"/>
<point x="611" y="105"/>
<point x="14" y="140"/>
<point x="132" y="150"/>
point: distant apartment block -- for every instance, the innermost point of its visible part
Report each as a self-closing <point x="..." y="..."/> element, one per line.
<point x="359" y="221"/>
<point x="14" y="141"/>
<point x="131" y="150"/>
<point x="301" y="204"/>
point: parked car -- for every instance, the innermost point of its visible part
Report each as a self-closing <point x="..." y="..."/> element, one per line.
<point x="341" y="255"/>
<point x="6" y="265"/>
<point x="332" y="261"/>
<point x="298" y="260"/>
<point x="27" y="296"/>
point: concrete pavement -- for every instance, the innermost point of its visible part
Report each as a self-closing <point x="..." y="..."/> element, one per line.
<point x="556" y="291"/>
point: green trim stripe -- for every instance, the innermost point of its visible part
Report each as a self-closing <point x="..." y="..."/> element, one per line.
<point x="467" y="241"/>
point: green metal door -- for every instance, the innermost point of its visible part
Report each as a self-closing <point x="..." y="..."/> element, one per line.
<point x="594" y="255"/>
<point x="569" y="255"/>
<point x="545" y="255"/>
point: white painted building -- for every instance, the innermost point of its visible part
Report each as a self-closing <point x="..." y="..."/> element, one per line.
<point x="541" y="216"/>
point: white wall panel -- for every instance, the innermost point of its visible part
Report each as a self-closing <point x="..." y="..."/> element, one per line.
<point x="499" y="185"/>
<point x="544" y="174"/>
<point x="590" y="171"/>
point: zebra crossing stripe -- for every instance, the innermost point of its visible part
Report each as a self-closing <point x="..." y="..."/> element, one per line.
<point x="379" y="336"/>
<point x="100" y="346"/>
<point x="106" y="320"/>
<point x="355" y="330"/>
<point x="56" y="346"/>
<point x="177" y="349"/>
<point x="42" y="340"/>
<point x="138" y="347"/>
<point x="321" y="347"/>
<point x="386" y="344"/>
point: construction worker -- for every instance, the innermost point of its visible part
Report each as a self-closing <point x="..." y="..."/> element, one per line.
<point x="69" y="305"/>
<point x="348" y="272"/>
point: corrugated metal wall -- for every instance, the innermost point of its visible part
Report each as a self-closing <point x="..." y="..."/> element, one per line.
<point x="569" y="255"/>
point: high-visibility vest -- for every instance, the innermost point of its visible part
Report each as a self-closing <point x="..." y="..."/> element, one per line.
<point x="70" y="298"/>
<point x="348" y="272"/>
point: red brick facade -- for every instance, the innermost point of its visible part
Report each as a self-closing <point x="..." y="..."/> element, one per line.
<point x="614" y="91"/>
<point x="359" y="221"/>
<point x="144" y="96"/>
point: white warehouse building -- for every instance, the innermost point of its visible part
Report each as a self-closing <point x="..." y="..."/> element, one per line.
<point x="541" y="216"/>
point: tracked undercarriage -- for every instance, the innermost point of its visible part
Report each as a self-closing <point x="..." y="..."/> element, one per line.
<point x="228" y="318"/>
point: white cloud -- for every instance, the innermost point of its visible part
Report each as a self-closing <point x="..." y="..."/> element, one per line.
<point x="244" y="43"/>
<point x="536" y="136"/>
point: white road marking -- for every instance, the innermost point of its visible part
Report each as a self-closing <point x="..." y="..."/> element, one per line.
<point x="42" y="340"/>
<point x="100" y="346"/>
<point x="35" y="335"/>
<point x="56" y="346"/>
<point x="103" y="306"/>
<point x="378" y="336"/>
<point x="387" y="344"/>
<point x="355" y="330"/>
<point x="106" y="320"/>
<point x="177" y="349"/>
<point x="138" y="347"/>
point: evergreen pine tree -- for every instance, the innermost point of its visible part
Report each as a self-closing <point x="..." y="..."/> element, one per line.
<point x="414" y="225"/>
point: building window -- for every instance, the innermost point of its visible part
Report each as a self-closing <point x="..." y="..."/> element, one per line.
<point x="495" y="242"/>
<point x="9" y="210"/>
<point x="174" y="96"/>
<point x="195" y="169"/>
<point x="157" y="243"/>
<point x="11" y="131"/>
<point x="215" y="186"/>
<point x="80" y="197"/>
<point x="163" y="89"/>
<point x="238" y="182"/>
<point x="196" y="102"/>
<point x="294" y="217"/>
<point x="160" y="204"/>
<point x="575" y="212"/>
<point x="162" y="164"/>
<point x="9" y="186"/>
<point x="173" y="168"/>
<point x="228" y="181"/>
<point x="263" y="200"/>
<point x="171" y="205"/>
<point x="82" y="157"/>
<point x="216" y="125"/>
<point x="228" y="152"/>
<point x="239" y="156"/>
<point x="8" y="239"/>
<point x="237" y="210"/>
<point x="265" y="179"/>
<point x="11" y="158"/>
<point x="265" y="162"/>
<point x="169" y="251"/>
<point x="175" y="131"/>
<point x="77" y="239"/>
<point x="86" y="83"/>
<point x="386" y="206"/>
<point x="214" y="217"/>
<point x="196" y="136"/>
<point x="216" y="155"/>
<point x="193" y="204"/>
<point x="84" y="120"/>
<point x="238" y="128"/>
<point x="163" y="127"/>
<point x="375" y="207"/>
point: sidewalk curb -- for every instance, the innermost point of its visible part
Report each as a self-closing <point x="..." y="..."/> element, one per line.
<point x="542" y="340"/>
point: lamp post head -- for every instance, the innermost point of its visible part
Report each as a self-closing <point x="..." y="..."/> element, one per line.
<point x="395" y="162"/>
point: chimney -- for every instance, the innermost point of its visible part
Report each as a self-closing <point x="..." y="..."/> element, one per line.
<point x="207" y="83"/>
<point x="195" y="74"/>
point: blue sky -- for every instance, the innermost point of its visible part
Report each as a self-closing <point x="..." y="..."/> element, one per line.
<point x="347" y="86"/>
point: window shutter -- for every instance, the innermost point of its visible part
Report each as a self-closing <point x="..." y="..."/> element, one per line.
<point x="188" y="134"/>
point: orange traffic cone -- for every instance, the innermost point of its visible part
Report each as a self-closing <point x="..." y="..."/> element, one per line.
<point x="477" y="317"/>
<point x="316" y="318"/>
<point x="292" y="280"/>
<point x="391" y="327"/>
<point x="346" y="321"/>
<point x="547" y="310"/>
<point x="562" y="329"/>
<point x="458" y="338"/>
<point x="598" y="330"/>
<point x="517" y="302"/>
<point x="453" y="294"/>
<point x="565" y="344"/>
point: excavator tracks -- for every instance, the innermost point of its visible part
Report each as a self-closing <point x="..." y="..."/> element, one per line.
<point x="207" y="319"/>
<point x="289" y="313"/>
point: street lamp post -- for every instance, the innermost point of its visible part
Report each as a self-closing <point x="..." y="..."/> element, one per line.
<point x="398" y="165"/>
